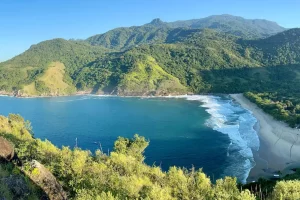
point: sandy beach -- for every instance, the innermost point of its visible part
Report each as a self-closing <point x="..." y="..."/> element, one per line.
<point x="279" y="144"/>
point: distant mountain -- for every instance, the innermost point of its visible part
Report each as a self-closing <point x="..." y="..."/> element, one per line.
<point x="157" y="31"/>
<point x="158" y="59"/>
<point x="246" y="28"/>
<point x="278" y="49"/>
<point x="123" y="38"/>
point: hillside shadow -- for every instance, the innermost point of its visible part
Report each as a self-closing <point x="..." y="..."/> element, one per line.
<point x="259" y="79"/>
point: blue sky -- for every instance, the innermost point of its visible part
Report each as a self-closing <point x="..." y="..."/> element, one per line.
<point x="24" y="23"/>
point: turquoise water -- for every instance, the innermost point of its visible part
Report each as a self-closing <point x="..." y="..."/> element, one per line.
<point x="199" y="131"/>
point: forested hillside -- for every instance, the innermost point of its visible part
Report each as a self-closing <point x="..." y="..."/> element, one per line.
<point x="158" y="31"/>
<point x="26" y="68"/>
<point x="282" y="105"/>
<point x="157" y="59"/>
<point x="246" y="28"/>
<point x="124" y="38"/>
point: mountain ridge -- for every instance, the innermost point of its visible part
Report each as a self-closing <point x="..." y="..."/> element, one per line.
<point x="154" y="58"/>
<point x="246" y="28"/>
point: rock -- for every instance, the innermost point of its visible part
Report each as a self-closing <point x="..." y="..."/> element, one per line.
<point x="6" y="150"/>
<point x="42" y="177"/>
<point x="17" y="185"/>
<point x="19" y="188"/>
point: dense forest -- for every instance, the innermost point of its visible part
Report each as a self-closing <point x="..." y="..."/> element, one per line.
<point x="283" y="106"/>
<point x="121" y="174"/>
<point x="157" y="31"/>
<point x="190" y="60"/>
<point x="157" y="58"/>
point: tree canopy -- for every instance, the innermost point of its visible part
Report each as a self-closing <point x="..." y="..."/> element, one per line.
<point x="188" y="60"/>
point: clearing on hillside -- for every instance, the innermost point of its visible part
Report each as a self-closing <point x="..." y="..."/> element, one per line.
<point x="148" y="78"/>
<point x="50" y="83"/>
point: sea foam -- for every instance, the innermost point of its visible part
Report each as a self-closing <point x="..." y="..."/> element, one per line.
<point x="238" y="123"/>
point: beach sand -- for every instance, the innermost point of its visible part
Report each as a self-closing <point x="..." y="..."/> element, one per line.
<point x="279" y="144"/>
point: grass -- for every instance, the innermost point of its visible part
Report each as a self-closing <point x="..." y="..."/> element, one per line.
<point x="30" y="89"/>
<point x="147" y="76"/>
<point x="53" y="80"/>
<point x="53" y="77"/>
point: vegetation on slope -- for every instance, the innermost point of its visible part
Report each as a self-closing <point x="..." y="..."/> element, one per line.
<point x="50" y="82"/>
<point x="200" y="59"/>
<point x="127" y="74"/>
<point x="280" y="49"/>
<point x="27" y="67"/>
<point x="124" y="38"/>
<point x="158" y="31"/>
<point x="147" y="78"/>
<point x="262" y="79"/>
<point x="283" y="106"/>
<point x="246" y="28"/>
<point x="207" y="61"/>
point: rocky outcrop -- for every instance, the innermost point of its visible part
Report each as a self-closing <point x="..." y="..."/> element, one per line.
<point x="39" y="175"/>
<point x="6" y="150"/>
<point x="45" y="179"/>
<point x="17" y="185"/>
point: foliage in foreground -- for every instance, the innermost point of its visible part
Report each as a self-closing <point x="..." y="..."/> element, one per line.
<point x="122" y="174"/>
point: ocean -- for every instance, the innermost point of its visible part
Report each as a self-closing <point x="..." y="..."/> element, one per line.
<point x="209" y="132"/>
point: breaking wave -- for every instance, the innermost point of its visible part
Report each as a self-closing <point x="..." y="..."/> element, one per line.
<point x="238" y="123"/>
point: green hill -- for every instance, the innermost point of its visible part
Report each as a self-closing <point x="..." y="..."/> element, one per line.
<point x="209" y="61"/>
<point x="27" y="67"/>
<point x="51" y="82"/>
<point x="169" y="61"/>
<point x="124" y="38"/>
<point x="246" y="28"/>
<point x="157" y="31"/>
<point x="279" y="49"/>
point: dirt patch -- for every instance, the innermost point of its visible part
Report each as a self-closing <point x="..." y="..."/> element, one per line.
<point x="6" y="150"/>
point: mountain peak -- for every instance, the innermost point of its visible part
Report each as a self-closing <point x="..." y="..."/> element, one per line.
<point x="156" y="21"/>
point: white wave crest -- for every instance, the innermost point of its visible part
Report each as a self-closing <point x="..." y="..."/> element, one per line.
<point x="238" y="123"/>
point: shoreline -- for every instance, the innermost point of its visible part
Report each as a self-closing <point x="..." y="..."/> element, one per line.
<point x="275" y="137"/>
<point x="92" y="94"/>
<point x="15" y="95"/>
<point x="279" y="144"/>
